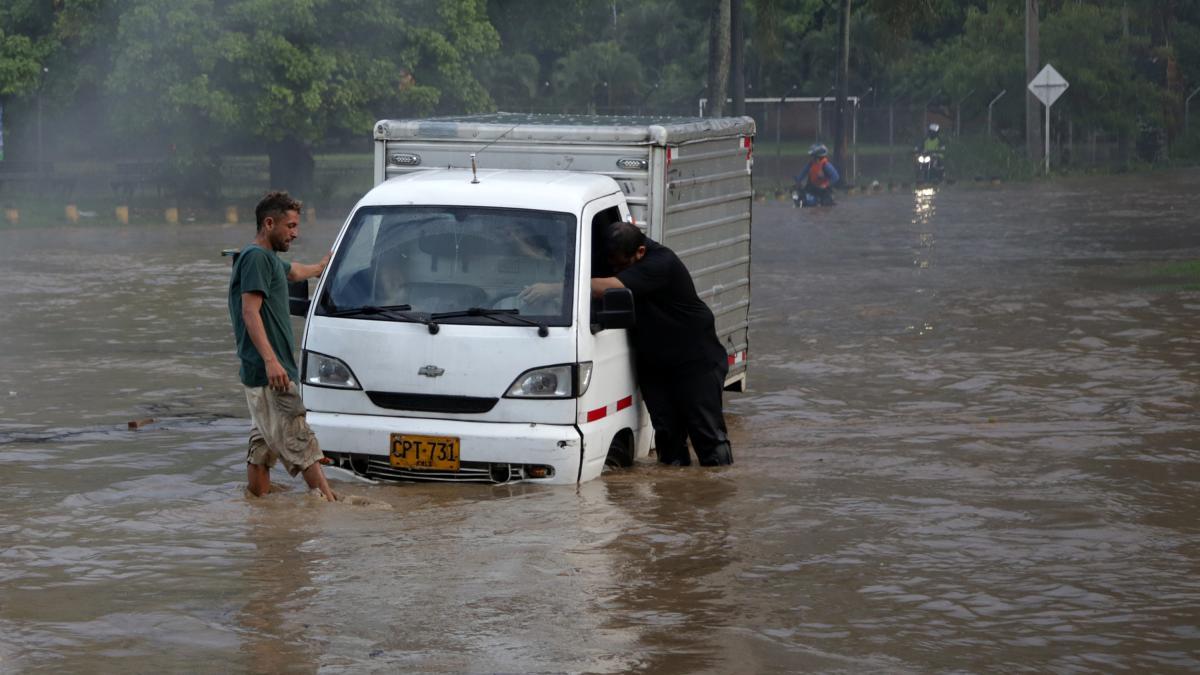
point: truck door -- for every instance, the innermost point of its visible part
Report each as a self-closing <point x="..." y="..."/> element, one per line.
<point x="610" y="411"/>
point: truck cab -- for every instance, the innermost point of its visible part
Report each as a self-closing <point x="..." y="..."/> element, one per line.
<point x="454" y="336"/>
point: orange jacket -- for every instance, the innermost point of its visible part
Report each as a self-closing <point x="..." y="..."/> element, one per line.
<point x="816" y="173"/>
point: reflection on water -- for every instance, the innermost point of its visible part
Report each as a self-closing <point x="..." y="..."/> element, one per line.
<point x="983" y="459"/>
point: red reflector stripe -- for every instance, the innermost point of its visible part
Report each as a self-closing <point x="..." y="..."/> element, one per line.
<point x="731" y="358"/>
<point x="624" y="403"/>
<point x="597" y="414"/>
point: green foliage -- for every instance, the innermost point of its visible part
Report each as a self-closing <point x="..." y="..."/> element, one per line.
<point x="1187" y="147"/>
<point x="513" y="80"/>
<point x="599" y="75"/>
<point x="20" y="64"/>
<point x="1085" y="44"/>
<point x="25" y="44"/>
<point x="987" y="56"/>
<point x="194" y="75"/>
<point x="199" y="76"/>
<point x="970" y="157"/>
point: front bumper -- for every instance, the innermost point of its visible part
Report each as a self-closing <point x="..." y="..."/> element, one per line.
<point x="490" y="452"/>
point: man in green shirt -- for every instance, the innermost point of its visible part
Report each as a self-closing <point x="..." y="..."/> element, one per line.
<point x="258" y="308"/>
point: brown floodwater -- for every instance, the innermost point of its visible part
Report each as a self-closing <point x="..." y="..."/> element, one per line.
<point x="970" y="445"/>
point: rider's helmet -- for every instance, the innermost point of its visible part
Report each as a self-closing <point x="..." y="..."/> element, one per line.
<point x="933" y="129"/>
<point x="818" y="150"/>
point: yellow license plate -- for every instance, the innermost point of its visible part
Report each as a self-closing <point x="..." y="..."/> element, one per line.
<point x="434" y="453"/>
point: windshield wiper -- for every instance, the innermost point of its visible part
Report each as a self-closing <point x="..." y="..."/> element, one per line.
<point x="390" y="311"/>
<point x="393" y="312"/>
<point x="494" y="314"/>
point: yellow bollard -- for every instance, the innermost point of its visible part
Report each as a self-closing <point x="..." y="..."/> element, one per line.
<point x="231" y="215"/>
<point x="123" y="214"/>
<point x="13" y="216"/>
<point x="72" y="213"/>
<point x="172" y="215"/>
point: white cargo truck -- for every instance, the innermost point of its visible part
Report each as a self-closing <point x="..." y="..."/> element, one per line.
<point x="454" y="337"/>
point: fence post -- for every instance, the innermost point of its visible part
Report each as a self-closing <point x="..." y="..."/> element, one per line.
<point x="1187" y="104"/>
<point x="820" y="116"/>
<point x="1002" y="93"/>
<point x="854" y="143"/>
<point x="891" y="134"/>
<point x="958" y="111"/>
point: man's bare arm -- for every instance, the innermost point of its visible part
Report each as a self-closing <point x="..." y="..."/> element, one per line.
<point x="300" y="272"/>
<point x="601" y="284"/>
<point x="277" y="377"/>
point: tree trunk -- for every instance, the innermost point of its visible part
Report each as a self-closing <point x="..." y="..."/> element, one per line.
<point x="1033" y="120"/>
<point x="292" y="167"/>
<point x="1172" y="104"/>
<point x="843" y="87"/>
<point x="718" y="58"/>
<point x="737" y="75"/>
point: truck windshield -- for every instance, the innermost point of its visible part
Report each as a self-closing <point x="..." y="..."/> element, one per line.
<point x="450" y="259"/>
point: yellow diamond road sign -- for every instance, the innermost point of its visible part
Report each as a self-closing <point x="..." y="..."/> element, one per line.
<point x="1048" y="85"/>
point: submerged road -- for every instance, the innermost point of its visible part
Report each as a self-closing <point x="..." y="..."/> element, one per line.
<point x="970" y="445"/>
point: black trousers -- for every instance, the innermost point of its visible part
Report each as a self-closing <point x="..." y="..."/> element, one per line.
<point x="686" y="403"/>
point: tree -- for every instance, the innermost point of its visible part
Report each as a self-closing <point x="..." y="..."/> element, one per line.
<point x="26" y="38"/>
<point x="598" y="76"/>
<point x="50" y="51"/>
<point x="20" y="64"/>
<point x="513" y="80"/>
<point x="285" y="74"/>
<point x="718" y="57"/>
<point x="843" y="83"/>
<point x="1088" y="45"/>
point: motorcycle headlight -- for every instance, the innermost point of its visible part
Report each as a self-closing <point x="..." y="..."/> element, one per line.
<point x="924" y="159"/>
<point x="567" y="380"/>
<point x="325" y="371"/>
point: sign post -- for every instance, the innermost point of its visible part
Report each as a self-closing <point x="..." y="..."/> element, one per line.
<point x="1047" y="86"/>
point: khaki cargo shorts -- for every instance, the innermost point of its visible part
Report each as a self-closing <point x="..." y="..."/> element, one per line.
<point x="280" y="430"/>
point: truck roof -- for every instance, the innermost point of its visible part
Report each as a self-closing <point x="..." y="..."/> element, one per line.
<point x="590" y="129"/>
<point x="561" y="191"/>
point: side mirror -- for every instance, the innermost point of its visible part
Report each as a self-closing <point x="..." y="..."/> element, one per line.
<point x="616" y="309"/>
<point x="298" y="301"/>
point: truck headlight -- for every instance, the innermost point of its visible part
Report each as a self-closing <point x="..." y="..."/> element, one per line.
<point x="326" y="371"/>
<point x="567" y="380"/>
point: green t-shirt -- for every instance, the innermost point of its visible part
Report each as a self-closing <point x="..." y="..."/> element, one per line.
<point x="260" y="270"/>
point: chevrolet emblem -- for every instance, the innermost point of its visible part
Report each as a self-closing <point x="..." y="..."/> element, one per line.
<point x="431" y="371"/>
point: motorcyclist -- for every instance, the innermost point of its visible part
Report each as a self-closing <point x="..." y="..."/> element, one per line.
<point x="819" y="176"/>
<point x="933" y="142"/>
<point x="930" y="155"/>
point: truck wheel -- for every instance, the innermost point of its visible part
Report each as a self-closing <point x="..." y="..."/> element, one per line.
<point x="620" y="451"/>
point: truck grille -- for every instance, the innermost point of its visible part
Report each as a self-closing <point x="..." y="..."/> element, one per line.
<point x="431" y="402"/>
<point x="379" y="468"/>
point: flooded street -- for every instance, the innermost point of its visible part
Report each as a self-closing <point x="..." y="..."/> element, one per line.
<point x="970" y="445"/>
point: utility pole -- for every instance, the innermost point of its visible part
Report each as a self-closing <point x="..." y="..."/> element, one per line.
<point x="737" y="75"/>
<point x="843" y="84"/>
<point x="1033" y="107"/>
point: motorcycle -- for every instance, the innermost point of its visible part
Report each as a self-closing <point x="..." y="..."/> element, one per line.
<point x="929" y="166"/>
<point x="802" y="197"/>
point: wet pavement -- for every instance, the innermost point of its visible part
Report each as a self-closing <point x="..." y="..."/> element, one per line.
<point x="970" y="445"/>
